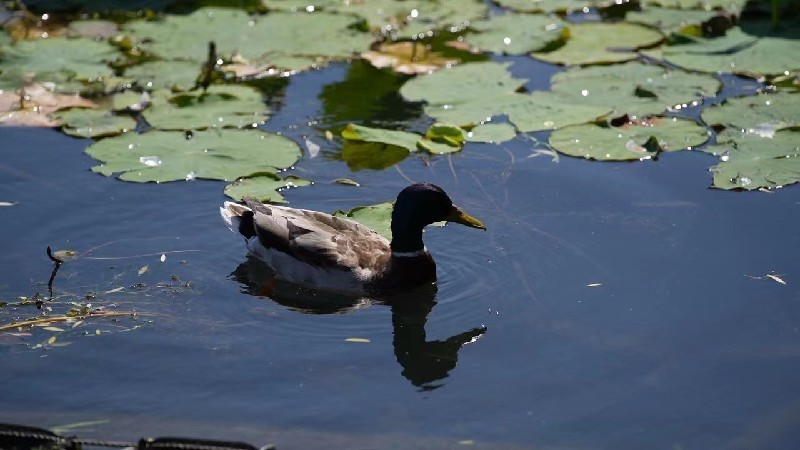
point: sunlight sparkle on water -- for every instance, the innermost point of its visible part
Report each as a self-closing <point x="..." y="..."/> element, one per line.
<point x="150" y="161"/>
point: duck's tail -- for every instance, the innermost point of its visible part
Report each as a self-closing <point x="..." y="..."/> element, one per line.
<point x="239" y="218"/>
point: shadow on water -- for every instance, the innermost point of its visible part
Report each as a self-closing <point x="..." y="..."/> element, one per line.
<point x="424" y="362"/>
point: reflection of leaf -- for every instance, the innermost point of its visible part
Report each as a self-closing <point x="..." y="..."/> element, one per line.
<point x="375" y="217"/>
<point x="764" y="114"/>
<point x="264" y="187"/>
<point x="633" y="88"/>
<point x="219" y="106"/>
<point x="749" y="161"/>
<point x="172" y="155"/>
<point x="597" y="42"/>
<point x="515" y="34"/>
<point x="371" y="155"/>
<point x="630" y="142"/>
<point x="407" y="57"/>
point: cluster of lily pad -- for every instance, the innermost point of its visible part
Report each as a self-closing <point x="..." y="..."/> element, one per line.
<point x="164" y="107"/>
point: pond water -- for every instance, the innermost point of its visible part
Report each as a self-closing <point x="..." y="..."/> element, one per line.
<point x="609" y="305"/>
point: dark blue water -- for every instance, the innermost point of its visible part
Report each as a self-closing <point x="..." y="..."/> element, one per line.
<point x="683" y="344"/>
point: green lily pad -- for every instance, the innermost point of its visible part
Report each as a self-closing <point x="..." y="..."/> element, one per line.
<point x="473" y="93"/>
<point x="633" y="88"/>
<point x="765" y="53"/>
<point x="761" y="114"/>
<point x="669" y="20"/>
<point x="264" y="186"/>
<point x="552" y="5"/>
<point x="279" y="34"/>
<point x="749" y="161"/>
<point x="602" y="43"/>
<point x="403" y="139"/>
<point x="92" y="123"/>
<point x="492" y="133"/>
<point x="515" y="34"/>
<point x="178" y="75"/>
<point x="220" y="106"/>
<point x="55" y="60"/>
<point x="630" y="142"/>
<point x="446" y="134"/>
<point x="708" y="5"/>
<point x="375" y="217"/>
<point x="175" y="155"/>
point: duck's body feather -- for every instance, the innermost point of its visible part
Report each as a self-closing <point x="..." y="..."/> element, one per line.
<point x="317" y="249"/>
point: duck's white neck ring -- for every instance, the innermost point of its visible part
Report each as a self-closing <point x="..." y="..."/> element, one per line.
<point x="415" y="254"/>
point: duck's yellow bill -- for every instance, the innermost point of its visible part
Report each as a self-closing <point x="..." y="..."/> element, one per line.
<point x="458" y="216"/>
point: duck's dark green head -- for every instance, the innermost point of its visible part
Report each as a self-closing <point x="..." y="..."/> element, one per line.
<point x="420" y="205"/>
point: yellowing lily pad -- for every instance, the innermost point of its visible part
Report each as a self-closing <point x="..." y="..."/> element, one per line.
<point x="174" y="155"/>
<point x="31" y="105"/>
<point x="264" y="186"/>
<point x="750" y="161"/>
<point x="602" y="43"/>
<point x="407" y="57"/>
<point x="760" y="114"/>
<point x="220" y="106"/>
<point x="633" y="88"/>
<point x="641" y="140"/>
<point x="515" y="34"/>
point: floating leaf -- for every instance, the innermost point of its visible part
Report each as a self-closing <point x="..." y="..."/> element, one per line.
<point x="358" y="339"/>
<point x="670" y="20"/>
<point x="492" y="133"/>
<point x="94" y="29"/>
<point x="403" y="139"/>
<point x="375" y="217"/>
<point x="749" y="161"/>
<point x="219" y="106"/>
<point x="515" y="34"/>
<point x="633" y="141"/>
<point x="602" y="43"/>
<point x="446" y="134"/>
<point x="407" y="57"/>
<point x="264" y="187"/>
<point x="172" y="155"/>
<point x="55" y="60"/>
<point x="730" y="5"/>
<point x="301" y="34"/>
<point x="180" y="75"/>
<point x="761" y="114"/>
<point x="361" y="155"/>
<point x="763" y="52"/>
<point x="552" y="5"/>
<point x="463" y="84"/>
<point x="633" y="88"/>
<point x="90" y="123"/>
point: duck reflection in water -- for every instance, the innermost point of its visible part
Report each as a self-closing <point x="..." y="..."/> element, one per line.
<point x="424" y="362"/>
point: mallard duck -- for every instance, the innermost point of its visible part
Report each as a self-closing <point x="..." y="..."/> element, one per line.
<point x="319" y="250"/>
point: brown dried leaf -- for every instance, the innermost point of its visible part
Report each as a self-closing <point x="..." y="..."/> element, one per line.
<point x="407" y="57"/>
<point x="32" y="105"/>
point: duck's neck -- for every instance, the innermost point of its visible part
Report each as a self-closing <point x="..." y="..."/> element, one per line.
<point x="407" y="240"/>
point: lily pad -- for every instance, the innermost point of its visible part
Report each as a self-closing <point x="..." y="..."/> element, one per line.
<point x="633" y="88"/>
<point x="220" y="106"/>
<point x="515" y="34"/>
<point x="729" y="5"/>
<point x="403" y="139"/>
<point x="462" y="84"/>
<point x="760" y="114"/>
<point x="178" y="75"/>
<point x="375" y="217"/>
<point x="750" y="161"/>
<point x="264" y="186"/>
<point x="91" y="123"/>
<point x="602" y="43"/>
<point x="492" y="133"/>
<point x="765" y="53"/>
<point x="670" y="20"/>
<point x="634" y="141"/>
<point x="174" y="155"/>
<point x="31" y="105"/>
<point x="278" y="34"/>
<point x="552" y="5"/>
<point x="55" y="60"/>
<point x="360" y="155"/>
